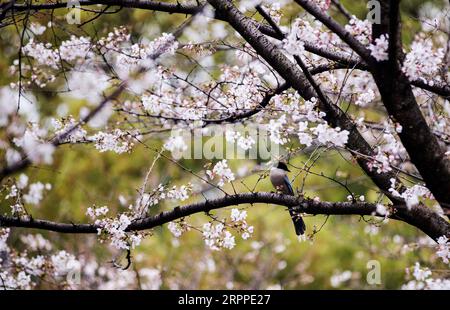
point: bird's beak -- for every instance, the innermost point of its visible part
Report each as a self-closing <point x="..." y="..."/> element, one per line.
<point x="288" y="169"/>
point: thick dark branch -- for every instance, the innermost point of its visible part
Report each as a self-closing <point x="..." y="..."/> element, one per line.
<point x="179" y="8"/>
<point x="396" y="92"/>
<point x="421" y="217"/>
<point x="367" y="61"/>
<point x="438" y="88"/>
<point x="298" y="60"/>
<point x="344" y="61"/>
<point x="334" y="26"/>
<point x="244" y="115"/>
<point x="291" y="73"/>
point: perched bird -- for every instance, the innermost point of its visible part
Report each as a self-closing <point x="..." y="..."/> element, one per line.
<point x="280" y="180"/>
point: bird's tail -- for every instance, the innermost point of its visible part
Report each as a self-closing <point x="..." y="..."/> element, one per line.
<point x="299" y="224"/>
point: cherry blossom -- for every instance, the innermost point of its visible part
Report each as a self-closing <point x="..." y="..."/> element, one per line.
<point x="222" y="171"/>
<point x="35" y="146"/>
<point x="118" y="141"/>
<point x="443" y="249"/>
<point x="303" y="77"/>
<point x="423" y="60"/>
<point x="380" y="48"/>
<point x="216" y="237"/>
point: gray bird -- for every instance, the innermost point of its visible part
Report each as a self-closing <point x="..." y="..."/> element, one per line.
<point x="280" y="180"/>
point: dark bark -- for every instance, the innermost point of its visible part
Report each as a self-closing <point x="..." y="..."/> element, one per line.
<point x="334" y="26"/>
<point x="395" y="89"/>
<point x="188" y="9"/>
<point x="421" y="217"/>
<point x="421" y="144"/>
<point x="291" y="73"/>
<point x="138" y="4"/>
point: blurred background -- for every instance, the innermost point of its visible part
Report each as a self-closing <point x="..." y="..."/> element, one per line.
<point x="335" y="255"/>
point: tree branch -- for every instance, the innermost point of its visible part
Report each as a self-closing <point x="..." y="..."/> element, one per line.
<point x="345" y="36"/>
<point x="396" y="92"/>
<point x="290" y="72"/>
<point x="342" y="9"/>
<point x="178" y="8"/>
<point x="60" y="138"/>
<point x="421" y="217"/>
<point x="437" y="87"/>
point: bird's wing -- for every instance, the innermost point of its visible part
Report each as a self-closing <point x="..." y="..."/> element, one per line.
<point x="288" y="186"/>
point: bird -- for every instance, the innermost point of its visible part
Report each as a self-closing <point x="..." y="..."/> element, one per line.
<point x="280" y="180"/>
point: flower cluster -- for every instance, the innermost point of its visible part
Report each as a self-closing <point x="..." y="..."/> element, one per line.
<point x="242" y="96"/>
<point x="69" y="50"/>
<point x="23" y="270"/>
<point x="160" y="193"/>
<point x="63" y="263"/>
<point x="305" y="115"/>
<point x="360" y="29"/>
<point x="114" y="229"/>
<point x="178" y="228"/>
<point x="181" y="193"/>
<point x="423" y="61"/>
<point x="302" y="32"/>
<point x="379" y="50"/>
<point x="243" y="142"/>
<point x="217" y="237"/>
<point x="411" y="195"/>
<point x="274" y="11"/>
<point x="82" y="53"/>
<point x="114" y="39"/>
<point x="94" y="212"/>
<point x="222" y="171"/>
<point x="37" y="28"/>
<point x="141" y="54"/>
<point x="43" y="53"/>
<point x="36" y="242"/>
<point x="382" y="210"/>
<point x="35" y="192"/>
<point x="34" y="145"/>
<point x="74" y="48"/>
<point x="324" y="5"/>
<point x="424" y="281"/>
<point x="276" y="132"/>
<point x="389" y="151"/>
<point x="88" y="85"/>
<point x="20" y="194"/>
<point x="443" y="249"/>
<point x="365" y="98"/>
<point x="238" y="221"/>
<point x="77" y="133"/>
<point x="176" y="144"/>
<point x="326" y="134"/>
<point x="116" y="141"/>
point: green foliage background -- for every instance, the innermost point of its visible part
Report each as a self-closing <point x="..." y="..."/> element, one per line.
<point x="81" y="177"/>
